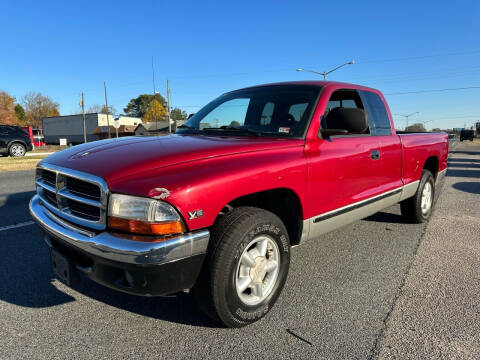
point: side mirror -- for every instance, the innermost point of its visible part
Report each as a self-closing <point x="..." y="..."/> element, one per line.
<point x="341" y="121"/>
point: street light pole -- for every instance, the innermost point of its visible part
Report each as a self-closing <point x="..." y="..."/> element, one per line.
<point x="83" y="116"/>
<point x="168" y="108"/>
<point x="325" y="73"/>
<point x="425" y="122"/>
<point x="407" y="116"/>
<point x="106" y="108"/>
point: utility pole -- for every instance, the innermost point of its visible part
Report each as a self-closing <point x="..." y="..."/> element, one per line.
<point x="115" y="125"/>
<point x="83" y="115"/>
<point x="153" y="77"/>
<point x="106" y="108"/>
<point x="168" y="108"/>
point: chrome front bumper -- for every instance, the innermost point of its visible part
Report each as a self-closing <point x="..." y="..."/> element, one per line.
<point x="113" y="247"/>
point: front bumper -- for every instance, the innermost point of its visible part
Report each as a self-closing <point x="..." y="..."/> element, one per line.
<point x="138" y="267"/>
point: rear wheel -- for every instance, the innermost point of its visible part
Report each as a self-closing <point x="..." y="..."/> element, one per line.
<point x="419" y="207"/>
<point x="17" y="149"/>
<point x="246" y="267"/>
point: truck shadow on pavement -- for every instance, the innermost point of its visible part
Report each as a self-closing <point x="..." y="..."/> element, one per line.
<point x="26" y="279"/>
<point x="463" y="173"/>
<point x="465" y="152"/>
<point x="178" y="308"/>
<point x="463" y="165"/>
<point x="386" y="217"/>
<point x="470" y="187"/>
<point x="460" y="160"/>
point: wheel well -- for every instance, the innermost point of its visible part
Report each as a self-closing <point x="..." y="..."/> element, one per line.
<point x="432" y="165"/>
<point x="282" y="202"/>
<point x="16" y="142"/>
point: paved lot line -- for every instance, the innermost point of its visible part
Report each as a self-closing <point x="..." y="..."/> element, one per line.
<point x="437" y="315"/>
<point x="19" y="225"/>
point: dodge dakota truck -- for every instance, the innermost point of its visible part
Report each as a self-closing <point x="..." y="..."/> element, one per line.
<point x="217" y="207"/>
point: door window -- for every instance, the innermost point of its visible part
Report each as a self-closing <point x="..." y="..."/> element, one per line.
<point x="344" y="99"/>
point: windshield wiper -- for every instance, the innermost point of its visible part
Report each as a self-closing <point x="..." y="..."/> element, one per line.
<point x="233" y="128"/>
<point x="186" y="127"/>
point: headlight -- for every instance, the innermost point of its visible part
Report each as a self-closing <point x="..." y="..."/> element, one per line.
<point x="143" y="216"/>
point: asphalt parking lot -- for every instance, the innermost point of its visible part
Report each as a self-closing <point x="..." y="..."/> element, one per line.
<point x="379" y="288"/>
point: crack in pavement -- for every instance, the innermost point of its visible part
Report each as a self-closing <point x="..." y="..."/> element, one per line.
<point x="374" y="352"/>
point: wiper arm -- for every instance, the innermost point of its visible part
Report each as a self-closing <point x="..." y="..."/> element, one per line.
<point x="233" y="128"/>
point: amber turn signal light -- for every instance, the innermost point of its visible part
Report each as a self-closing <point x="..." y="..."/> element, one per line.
<point x="145" y="228"/>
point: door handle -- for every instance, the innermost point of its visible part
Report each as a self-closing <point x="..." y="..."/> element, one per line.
<point x="375" y="154"/>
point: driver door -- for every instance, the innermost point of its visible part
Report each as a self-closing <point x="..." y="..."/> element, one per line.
<point x="344" y="170"/>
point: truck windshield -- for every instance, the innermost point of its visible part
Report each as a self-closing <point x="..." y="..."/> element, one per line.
<point x="276" y="110"/>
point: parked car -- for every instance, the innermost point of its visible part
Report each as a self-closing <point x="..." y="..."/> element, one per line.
<point x="217" y="207"/>
<point x="452" y="141"/>
<point x="14" y="141"/>
<point x="467" y="135"/>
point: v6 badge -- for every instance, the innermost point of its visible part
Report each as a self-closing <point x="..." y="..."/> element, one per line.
<point x="194" y="214"/>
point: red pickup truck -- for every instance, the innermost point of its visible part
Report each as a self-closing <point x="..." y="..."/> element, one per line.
<point x="217" y="206"/>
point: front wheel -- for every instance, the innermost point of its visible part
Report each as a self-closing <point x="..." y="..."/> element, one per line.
<point x="246" y="267"/>
<point x="17" y="150"/>
<point x="419" y="208"/>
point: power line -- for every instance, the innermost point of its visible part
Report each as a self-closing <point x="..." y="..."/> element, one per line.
<point x="359" y="62"/>
<point x="420" y="57"/>
<point x="395" y="93"/>
<point x="440" y="73"/>
<point x="453" y="117"/>
<point x="433" y="90"/>
<point x="290" y="70"/>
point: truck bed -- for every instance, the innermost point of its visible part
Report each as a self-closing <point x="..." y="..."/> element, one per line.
<point x="419" y="146"/>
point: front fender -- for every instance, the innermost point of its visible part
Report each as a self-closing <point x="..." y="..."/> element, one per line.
<point x="209" y="184"/>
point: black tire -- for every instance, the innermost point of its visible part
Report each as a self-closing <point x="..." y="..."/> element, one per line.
<point x="215" y="291"/>
<point x="412" y="207"/>
<point x="17" y="149"/>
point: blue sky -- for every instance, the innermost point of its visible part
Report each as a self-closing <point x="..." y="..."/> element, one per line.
<point x="208" y="47"/>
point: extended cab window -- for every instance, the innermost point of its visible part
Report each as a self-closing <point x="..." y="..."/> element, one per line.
<point x="377" y="113"/>
<point x="267" y="113"/>
<point x="342" y="99"/>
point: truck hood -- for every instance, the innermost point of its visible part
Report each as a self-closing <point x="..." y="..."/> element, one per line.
<point x="116" y="158"/>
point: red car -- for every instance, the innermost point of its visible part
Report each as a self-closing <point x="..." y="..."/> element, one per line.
<point x="217" y="206"/>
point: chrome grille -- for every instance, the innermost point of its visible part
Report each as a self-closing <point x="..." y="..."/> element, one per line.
<point x="75" y="196"/>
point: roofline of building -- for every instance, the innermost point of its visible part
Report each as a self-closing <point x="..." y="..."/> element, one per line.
<point x="95" y="113"/>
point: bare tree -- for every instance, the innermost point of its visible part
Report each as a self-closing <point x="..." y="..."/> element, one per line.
<point x="38" y="106"/>
<point x="96" y="108"/>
